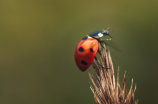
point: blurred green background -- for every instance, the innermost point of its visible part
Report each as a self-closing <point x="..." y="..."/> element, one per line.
<point x="38" y="38"/>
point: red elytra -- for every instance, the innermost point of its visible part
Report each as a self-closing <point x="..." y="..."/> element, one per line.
<point x="87" y="48"/>
<point x="85" y="52"/>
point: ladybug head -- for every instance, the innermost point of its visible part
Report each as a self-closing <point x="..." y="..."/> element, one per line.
<point x="105" y="32"/>
<point x="99" y="34"/>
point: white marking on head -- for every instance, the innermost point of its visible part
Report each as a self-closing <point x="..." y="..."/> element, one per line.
<point x="89" y="37"/>
<point x="100" y="35"/>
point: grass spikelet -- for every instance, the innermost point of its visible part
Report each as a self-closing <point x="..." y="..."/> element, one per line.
<point x="104" y="87"/>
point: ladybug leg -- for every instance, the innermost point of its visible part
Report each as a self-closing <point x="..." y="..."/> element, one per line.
<point x="99" y="52"/>
<point x="101" y="43"/>
<point x="98" y="61"/>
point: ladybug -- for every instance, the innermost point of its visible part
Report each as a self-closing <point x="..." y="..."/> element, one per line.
<point x="87" y="48"/>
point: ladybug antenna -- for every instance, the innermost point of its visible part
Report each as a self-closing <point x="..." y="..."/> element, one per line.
<point x="106" y="32"/>
<point x="108" y="29"/>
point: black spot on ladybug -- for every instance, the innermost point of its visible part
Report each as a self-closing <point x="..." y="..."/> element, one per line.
<point x="91" y="49"/>
<point x="85" y="38"/>
<point x="81" y="49"/>
<point x="83" y="62"/>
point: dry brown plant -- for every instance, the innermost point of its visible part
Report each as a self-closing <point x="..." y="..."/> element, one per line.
<point x="104" y="87"/>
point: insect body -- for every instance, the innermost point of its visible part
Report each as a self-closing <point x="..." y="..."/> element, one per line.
<point x="87" y="48"/>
